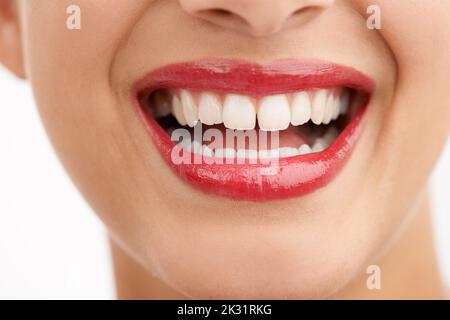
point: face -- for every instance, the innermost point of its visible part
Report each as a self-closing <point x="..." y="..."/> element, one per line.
<point x="361" y="116"/>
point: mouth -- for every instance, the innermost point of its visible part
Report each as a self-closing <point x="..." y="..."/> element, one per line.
<point x="254" y="132"/>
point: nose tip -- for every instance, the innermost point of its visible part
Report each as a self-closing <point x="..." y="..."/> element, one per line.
<point x="256" y="17"/>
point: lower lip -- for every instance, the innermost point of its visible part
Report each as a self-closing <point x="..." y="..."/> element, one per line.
<point x="294" y="176"/>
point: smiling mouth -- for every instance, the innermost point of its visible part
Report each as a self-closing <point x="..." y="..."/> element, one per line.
<point x="315" y="109"/>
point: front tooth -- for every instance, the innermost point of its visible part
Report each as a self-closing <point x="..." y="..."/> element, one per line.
<point x="239" y="112"/>
<point x="329" y="109"/>
<point x="304" y="149"/>
<point x="286" y="152"/>
<point x="210" y="109"/>
<point x="319" y="103"/>
<point x="344" y="102"/>
<point x="336" y="108"/>
<point x="300" y="109"/>
<point x="190" y="109"/>
<point x="177" y="110"/>
<point x="274" y="113"/>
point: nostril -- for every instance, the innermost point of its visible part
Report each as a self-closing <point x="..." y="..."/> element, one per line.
<point x="257" y="18"/>
<point x="221" y="12"/>
<point x="298" y="11"/>
<point x="303" y="15"/>
<point x="221" y="16"/>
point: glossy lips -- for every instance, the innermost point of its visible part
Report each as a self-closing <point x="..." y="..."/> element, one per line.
<point x="289" y="177"/>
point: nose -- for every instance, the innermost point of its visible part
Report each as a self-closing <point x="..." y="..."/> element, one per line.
<point x="256" y="17"/>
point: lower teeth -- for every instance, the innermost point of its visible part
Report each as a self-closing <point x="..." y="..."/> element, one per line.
<point x="196" y="147"/>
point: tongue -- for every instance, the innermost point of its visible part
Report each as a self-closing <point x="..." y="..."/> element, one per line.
<point x="293" y="137"/>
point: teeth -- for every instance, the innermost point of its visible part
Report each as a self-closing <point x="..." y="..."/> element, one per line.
<point x="329" y="110"/>
<point x="274" y="113"/>
<point x="239" y="112"/>
<point x="300" y="109"/>
<point x="229" y="153"/>
<point x="210" y="109"/>
<point x="247" y="154"/>
<point x="336" y="108"/>
<point x="190" y="109"/>
<point x="319" y="103"/>
<point x="344" y="102"/>
<point x="177" y="110"/>
<point x="225" y="153"/>
<point x="197" y="147"/>
<point x="319" y="145"/>
<point x="269" y="154"/>
<point x="304" y="149"/>
<point x="186" y="145"/>
<point x="286" y="152"/>
<point x="207" y="152"/>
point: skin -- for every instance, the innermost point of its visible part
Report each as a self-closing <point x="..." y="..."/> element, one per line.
<point x="170" y="240"/>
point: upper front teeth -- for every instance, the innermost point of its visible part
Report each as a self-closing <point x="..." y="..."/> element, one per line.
<point x="274" y="113"/>
<point x="210" y="109"/>
<point x="239" y="112"/>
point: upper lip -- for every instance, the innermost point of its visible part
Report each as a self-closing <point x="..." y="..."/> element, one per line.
<point x="296" y="176"/>
<point x="280" y="76"/>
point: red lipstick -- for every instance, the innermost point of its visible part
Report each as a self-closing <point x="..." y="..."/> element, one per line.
<point x="291" y="177"/>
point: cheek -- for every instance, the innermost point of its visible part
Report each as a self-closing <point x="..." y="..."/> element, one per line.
<point x="59" y="54"/>
<point x="416" y="124"/>
<point x="70" y="74"/>
<point x="69" y="69"/>
<point x="419" y="35"/>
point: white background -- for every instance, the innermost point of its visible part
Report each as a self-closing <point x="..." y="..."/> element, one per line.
<point x="51" y="244"/>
